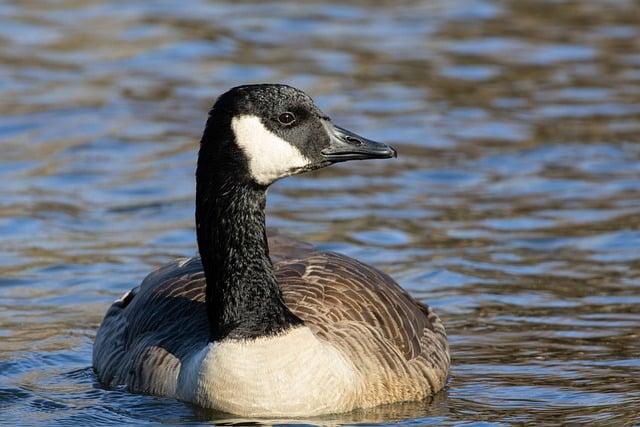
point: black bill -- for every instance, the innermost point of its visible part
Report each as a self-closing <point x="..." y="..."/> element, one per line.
<point x="345" y="145"/>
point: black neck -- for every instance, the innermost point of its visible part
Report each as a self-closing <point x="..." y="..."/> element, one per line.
<point x="242" y="295"/>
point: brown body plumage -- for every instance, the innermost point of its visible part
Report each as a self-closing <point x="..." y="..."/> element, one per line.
<point x="397" y="343"/>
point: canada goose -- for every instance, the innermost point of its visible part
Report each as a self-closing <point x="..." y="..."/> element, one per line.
<point x="277" y="330"/>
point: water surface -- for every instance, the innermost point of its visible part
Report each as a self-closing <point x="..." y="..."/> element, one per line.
<point x="513" y="209"/>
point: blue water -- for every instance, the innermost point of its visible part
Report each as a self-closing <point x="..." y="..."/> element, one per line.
<point x="513" y="209"/>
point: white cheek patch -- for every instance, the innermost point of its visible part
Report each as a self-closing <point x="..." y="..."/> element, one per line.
<point x="270" y="157"/>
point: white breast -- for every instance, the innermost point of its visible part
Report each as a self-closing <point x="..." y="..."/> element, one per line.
<point x="291" y="374"/>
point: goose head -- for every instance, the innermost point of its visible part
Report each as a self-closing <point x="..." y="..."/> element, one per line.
<point x="266" y="132"/>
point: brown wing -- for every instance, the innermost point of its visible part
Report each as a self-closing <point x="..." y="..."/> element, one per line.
<point x="143" y="337"/>
<point x="327" y="287"/>
<point x="397" y="343"/>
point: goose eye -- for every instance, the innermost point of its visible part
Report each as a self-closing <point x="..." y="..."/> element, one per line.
<point x="286" y="118"/>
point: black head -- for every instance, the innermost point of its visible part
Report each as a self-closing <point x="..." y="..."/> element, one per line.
<point x="269" y="131"/>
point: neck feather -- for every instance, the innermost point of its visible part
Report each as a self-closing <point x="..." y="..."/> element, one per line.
<point x="242" y="295"/>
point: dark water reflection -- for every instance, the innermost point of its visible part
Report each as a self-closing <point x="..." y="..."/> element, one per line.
<point x="514" y="207"/>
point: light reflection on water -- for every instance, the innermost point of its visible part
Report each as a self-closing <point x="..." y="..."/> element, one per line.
<point x="514" y="207"/>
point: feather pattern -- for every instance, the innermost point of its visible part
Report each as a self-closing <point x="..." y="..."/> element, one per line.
<point x="397" y="345"/>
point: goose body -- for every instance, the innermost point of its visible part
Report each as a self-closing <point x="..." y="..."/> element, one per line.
<point x="262" y="324"/>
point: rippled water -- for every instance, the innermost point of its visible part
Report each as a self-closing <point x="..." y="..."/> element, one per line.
<point x="514" y="207"/>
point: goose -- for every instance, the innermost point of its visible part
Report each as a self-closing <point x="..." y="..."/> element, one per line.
<point x="261" y="324"/>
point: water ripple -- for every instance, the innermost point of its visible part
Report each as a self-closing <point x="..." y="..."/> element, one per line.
<point x="513" y="209"/>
